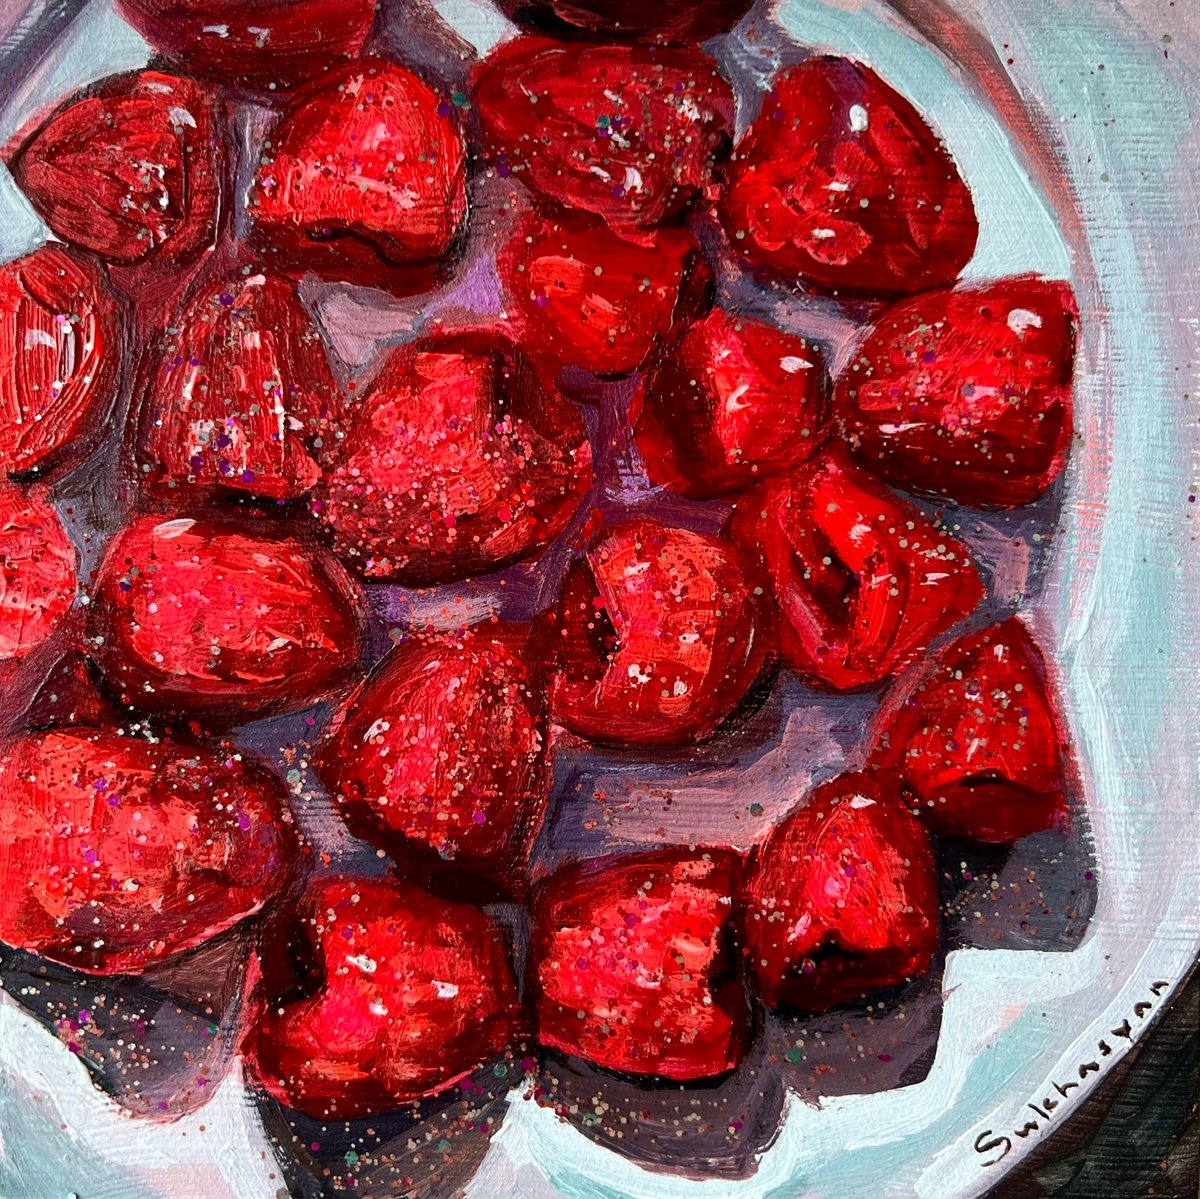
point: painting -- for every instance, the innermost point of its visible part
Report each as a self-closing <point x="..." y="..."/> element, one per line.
<point x="597" y="597"/>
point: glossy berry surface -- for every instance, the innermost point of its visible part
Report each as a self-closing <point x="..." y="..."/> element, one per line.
<point x="240" y="396"/>
<point x="966" y="393"/>
<point x="635" y="967"/>
<point x="626" y="132"/>
<point x="841" y="899"/>
<point x="732" y="402"/>
<point x="458" y="462"/>
<point x="841" y="184"/>
<point x="58" y="359"/>
<point x="198" y="615"/>
<point x="864" y="582"/>
<point x="444" y="749"/>
<point x="123" y="851"/>
<point x="37" y="572"/>
<point x="659" y="633"/>
<point x="130" y="169"/>
<point x="367" y="168"/>
<point x="406" y="996"/>
<point x="590" y="300"/>
<point x="975" y="738"/>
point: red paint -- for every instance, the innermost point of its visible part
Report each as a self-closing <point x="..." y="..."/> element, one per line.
<point x="658" y="635"/>
<point x="263" y="44"/>
<point x="732" y="402"/>
<point x="966" y="393"/>
<point x="58" y="358"/>
<point x="129" y="170"/>
<point x="365" y="171"/>
<point x="841" y="184"/>
<point x="975" y="739"/>
<point x="444" y="749"/>
<point x="589" y="300"/>
<point x="459" y="462"/>
<point x="406" y="996"/>
<point x="37" y="572"/>
<point x="841" y="899"/>
<point x="632" y="20"/>
<point x="124" y="851"/>
<point x="627" y="132"/>
<point x="634" y="966"/>
<point x="239" y="396"/>
<point x="204" y="615"/>
<point x="863" y="581"/>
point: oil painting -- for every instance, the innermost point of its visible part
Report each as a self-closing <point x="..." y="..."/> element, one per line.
<point x="597" y="598"/>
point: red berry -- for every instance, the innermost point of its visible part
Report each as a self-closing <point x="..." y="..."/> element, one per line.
<point x="121" y="851"/>
<point x="966" y="393"/>
<point x="864" y="582"/>
<point x="459" y="462"/>
<point x="368" y="169"/>
<point x="240" y="396"/>
<point x="841" y="183"/>
<point x="975" y="740"/>
<point x="633" y="20"/>
<point x="734" y="401"/>
<point x="37" y="572"/>
<point x="634" y="963"/>
<point x="589" y="300"/>
<point x="444" y="748"/>
<point x="626" y="132"/>
<point x="129" y="169"/>
<point x="58" y="353"/>
<point x="658" y="635"/>
<point x="259" y="43"/>
<point x="841" y="899"/>
<point x="193" y="615"/>
<point x="409" y="995"/>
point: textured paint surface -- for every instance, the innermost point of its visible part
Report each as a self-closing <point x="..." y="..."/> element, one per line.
<point x="992" y="1053"/>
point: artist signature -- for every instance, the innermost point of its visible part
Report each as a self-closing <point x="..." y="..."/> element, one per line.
<point x="988" y="1142"/>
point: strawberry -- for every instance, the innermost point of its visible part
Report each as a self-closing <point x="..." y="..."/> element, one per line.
<point x="841" y="899"/>
<point x="458" y="462"/>
<point x="975" y="739"/>
<point x="634" y="964"/>
<point x="124" y="851"/>
<point x="262" y="44"/>
<point x="240" y="396"/>
<point x="658" y="635"/>
<point x="864" y="582"/>
<point x="406" y="995"/>
<point x="626" y="132"/>
<point x="586" y="299"/>
<point x="841" y="184"/>
<point x="444" y="749"/>
<point x="732" y="402"/>
<point x="966" y="393"/>
<point x="199" y="615"/>
<point x="130" y="169"/>
<point x="37" y="572"/>
<point x="58" y="358"/>
<point x="364" y="172"/>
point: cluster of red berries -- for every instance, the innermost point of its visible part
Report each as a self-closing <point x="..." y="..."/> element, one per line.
<point x="268" y="494"/>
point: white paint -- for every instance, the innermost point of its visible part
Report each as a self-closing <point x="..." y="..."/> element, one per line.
<point x="1021" y="319"/>
<point x="170" y="529"/>
<point x="791" y="363"/>
<point x="858" y="119"/>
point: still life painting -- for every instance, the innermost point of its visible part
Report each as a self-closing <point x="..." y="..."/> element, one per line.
<point x="596" y="598"/>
